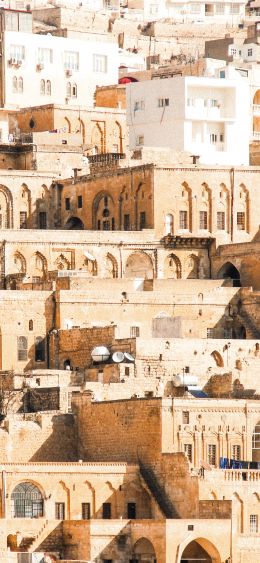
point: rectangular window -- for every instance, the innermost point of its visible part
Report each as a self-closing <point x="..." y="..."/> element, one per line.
<point x="190" y="102"/>
<point x="22" y="348"/>
<point x="221" y="138"/>
<point x="139" y="105"/>
<point x="106" y="510"/>
<point x="210" y="333"/>
<point x="203" y="220"/>
<point x="222" y="74"/>
<point x="188" y="451"/>
<point x="67" y="203"/>
<point x="234" y="8"/>
<point x="134" y="331"/>
<point x="233" y="51"/>
<point x="213" y="138"/>
<point x="71" y="60"/>
<point x="140" y="140"/>
<point x="60" y="510"/>
<point x="85" y="510"/>
<point x="131" y="510"/>
<point x="249" y="52"/>
<point x="213" y="103"/>
<point x="236" y="452"/>
<point x="44" y="55"/>
<point x="183" y="220"/>
<point x="142" y="220"/>
<point x="39" y="349"/>
<point x="42" y="220"/>
<point x="241" y="220"/>
<point x="79" y="201"/>
<point x="126" y="222"/>
<point x="185" y="417"/>
<point x="212" y="450"/>
<point x="253" y="523"/>
<point x="220" y="9"/>
<point x="100" y="63"/>
<point x="221" y="220"/>
<point x="23" y="219"/>
<point x="17" y="52"/>
<point x="163" y="102"/>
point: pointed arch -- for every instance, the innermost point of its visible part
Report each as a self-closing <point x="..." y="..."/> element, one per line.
<point x="172" y="267"/>
<point x="139" y="265"/>
<point x="217" y="358"/>
<point x="223" y="209"/>
<point x="200" y="549"/>
<point x="117" y="138"/>
<point x="186" y="205"/>
<point x="97" y="138"/>
<point x="82" y="130"/>
<point x="205" y="203"/>
<point x="228" y="270"/>
<point x="20" y="262"/>
<point x="103" y="212"/>
<point x="62" y="263"/>
<point x="111" y="266"/>
<point x="6" y="208"/>
<point x="192" y="267"/>
<point x="67" y="125"/>
<point x="38" y="265"/>
<point x="243" y="210"/>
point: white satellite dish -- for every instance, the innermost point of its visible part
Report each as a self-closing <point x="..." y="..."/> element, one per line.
<point x="129" y="357"/>
<point x="89" y="256"/>
<point x="118" y="357"/>
<point x="100" y="354"/>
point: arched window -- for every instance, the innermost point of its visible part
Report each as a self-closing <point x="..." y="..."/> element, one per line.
<point x="20" y="84"/>
<point x="26" y="501"/>
<point x="39" y="349"/>
<point x="42" y="87"/>
<point x="48" y="88"/>
<point x="169" y="224"/>
<point x="74" y="91"/>
<point x="68" y="90"/>
<point x="15" y="85"/>
<point x="22" y="348"/>
<point x="30" y="324"/>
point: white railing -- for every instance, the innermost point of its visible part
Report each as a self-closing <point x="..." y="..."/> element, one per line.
<point x="256" y="135"/>
<point x="256" y="108"/>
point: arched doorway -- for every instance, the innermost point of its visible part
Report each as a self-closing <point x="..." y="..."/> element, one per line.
<point x="200" y="551"/>
<point x="172" y="267"/>
<point x="228" y="270"/>
<point x="26" y="501"/>
<point x="139" y="265"/>
<point x="74" y="224"/>
<point x="218" y="358"/>
<point x="144" y="552"/>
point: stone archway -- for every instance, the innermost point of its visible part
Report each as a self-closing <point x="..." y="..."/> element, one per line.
<point x="200" y="550"/>
<point x="172" y="267"/>
<point x="139" y="265"/>
<point x="228" y="270"/>
<point x="26" y="501"/>
<point x="144" y="551"/>
<point x="74" y="224"/>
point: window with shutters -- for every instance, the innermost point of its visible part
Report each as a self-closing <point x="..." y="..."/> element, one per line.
<point x="253" y="523"/>
<point x="203" y="220"/>
<point x="185" y="417"/>
<point x="188" y="451"/>
<point x="241" y="220"/>
<point x="221" y="220"/>
<point x="23" y="219"/>
<point x="212" y="450"/>
<point x="106" y="511"/>
<point x="236" y="452"/>
<point x="22" y="348"/>
<point x="85" y="510"/>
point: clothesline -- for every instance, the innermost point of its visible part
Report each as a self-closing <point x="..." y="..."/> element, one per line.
<point x="227" y="463"/>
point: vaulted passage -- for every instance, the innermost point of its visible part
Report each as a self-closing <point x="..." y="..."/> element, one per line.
<point x="228" y="270"/>
<point x="74" y="224"/>
<point x="194" y="552"/>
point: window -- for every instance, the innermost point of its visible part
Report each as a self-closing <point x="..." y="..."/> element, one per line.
<point x="203" y="220"/>
<point x="210" y="333"/>
<point x="79" y="201"/>
<point x="15" y="85"/>
<point x="183" y="220"/>
<point x="195" y="8"/>
<point x="44" y="55"/>
<point x="48" y="88"/>
<point x="212" y="449"/>
<point x="185" y="417"/>
<point x="221" y="137"/>
<point x="20" y="85"/>
<point x="139" y="105"/>
<point x="142" y="220"/>
<point x="253" y="523"/>
<point x="60" y="510"/>
<point x="67" y="203"/>
<point x="220" y="220"/>
<point x="163" y="102"/>
<point x="85" y="506"/>
<point x="23" y="219"/>
<point x="220" y="9"/>
<point x="213" y="138"/>
<point x="99" y="63"/>
<point x="74" y="91"/>
<point x="42" y="87"/>
<point x="188" y="451"/>
<point x="127" y="222"/>
<point x="222" y="73"/>
<point x="233" y="51"/>
<point x="236" y="452"/>
<point x="42" y="220"/>
<point x="17" y="52"/>
<point x="213" y="103"/>
<point x="249" y="52"/>
<point x="234" y="8"/>
<point x="71" y="60"/>
<point x="134" y="331"/>
<point x="241" y="220"/>
<point x="39" y="349"/>
<point x="140" y="140"/>
<point x="31" y="324"/>
<point x="106" y="510"/>
<point x="131" y="510"/>
<point x="22" y="348"/>
<point x="190" y="102"/>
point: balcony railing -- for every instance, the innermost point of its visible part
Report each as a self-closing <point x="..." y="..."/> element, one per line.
<point x="256" y="135"/>
<point x="256" y="109"/>
<point x="105" y="158"/>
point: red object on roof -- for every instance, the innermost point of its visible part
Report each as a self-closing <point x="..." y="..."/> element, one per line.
<point x="126" y="80"/>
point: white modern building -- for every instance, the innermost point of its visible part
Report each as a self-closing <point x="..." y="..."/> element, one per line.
<point x="42" y="69"/>
<point x="191" y="10"/>
<point x="206" y="117"/>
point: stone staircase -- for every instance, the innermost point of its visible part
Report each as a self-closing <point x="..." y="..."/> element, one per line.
<point x="251" y="326"/>
<point x="157" y="491"/>
<point x="49" y="538"/>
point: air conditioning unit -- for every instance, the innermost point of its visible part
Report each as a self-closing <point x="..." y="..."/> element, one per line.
<point x="68" y="72"/>
<point x="40" y="66"/>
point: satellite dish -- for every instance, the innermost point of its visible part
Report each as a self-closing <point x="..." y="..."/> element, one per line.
<point x="118" y="357"/>
<point x="100" y="354"/>
<point x="129" y="357"/>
